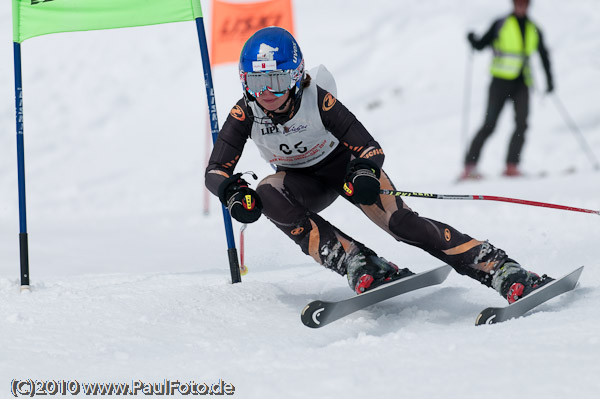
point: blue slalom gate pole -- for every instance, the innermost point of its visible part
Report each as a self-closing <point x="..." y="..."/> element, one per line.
<point x="234" y="265"/>
<point x="23" y="246"/>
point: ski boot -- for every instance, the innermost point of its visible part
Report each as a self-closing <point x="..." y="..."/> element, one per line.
<point x="366" y="271"/>
<point x="512" y="170"/>
<point x="470" y="173"/>
<point x="513" y="282"/>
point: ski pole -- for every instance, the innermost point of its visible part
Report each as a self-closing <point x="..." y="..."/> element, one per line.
<point x="243" y="267"/>
<point x="582" y="141"/>
<point x="396" y="193"/>
<point x="467" y="100"/>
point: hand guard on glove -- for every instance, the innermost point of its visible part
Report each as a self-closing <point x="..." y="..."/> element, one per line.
<point x="243" y="203"/>
<point x="361" y="184"/>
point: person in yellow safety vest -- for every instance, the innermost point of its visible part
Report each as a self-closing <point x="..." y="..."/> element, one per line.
<point x="514" y="39"/>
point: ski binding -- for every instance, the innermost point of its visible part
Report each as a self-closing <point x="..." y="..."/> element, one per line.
<point x="535" y="298"/>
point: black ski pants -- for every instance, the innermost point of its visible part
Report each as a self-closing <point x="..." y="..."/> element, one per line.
<point x="292" y="199"/>
<point x="501" y="90"/>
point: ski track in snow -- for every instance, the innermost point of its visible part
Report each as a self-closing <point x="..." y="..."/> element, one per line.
<point x="130" y="280"/>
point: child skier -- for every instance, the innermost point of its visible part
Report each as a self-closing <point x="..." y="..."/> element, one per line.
<point x="321" y="151"/>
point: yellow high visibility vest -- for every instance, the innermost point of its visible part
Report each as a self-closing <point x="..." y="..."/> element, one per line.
<point x="511" y="55"/>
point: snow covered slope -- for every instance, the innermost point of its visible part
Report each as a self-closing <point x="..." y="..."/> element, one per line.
<point x="130" y="280"/>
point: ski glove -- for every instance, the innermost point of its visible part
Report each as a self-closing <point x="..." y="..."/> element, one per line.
<point x="471" y="38"/>
<point x="361" y="184"/>
<point x="243" y="203"/>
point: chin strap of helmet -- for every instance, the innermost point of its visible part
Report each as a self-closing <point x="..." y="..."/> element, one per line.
<point x="285" y="104"/>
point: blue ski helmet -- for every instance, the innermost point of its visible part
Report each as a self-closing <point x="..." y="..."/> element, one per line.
<point x="271" y="60"/>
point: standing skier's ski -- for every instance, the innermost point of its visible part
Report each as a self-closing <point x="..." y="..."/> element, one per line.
<point x="535" y="298"/>
<point x="320" y="313"/>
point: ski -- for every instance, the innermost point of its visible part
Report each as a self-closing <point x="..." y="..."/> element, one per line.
<point x="535" y="298"/>
<point x="320" y="313"/>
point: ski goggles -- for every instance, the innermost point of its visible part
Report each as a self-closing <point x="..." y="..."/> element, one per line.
<point x="277" y="82"/>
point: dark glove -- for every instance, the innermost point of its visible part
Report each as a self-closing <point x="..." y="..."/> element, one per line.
<point x="243" y="203"/>
<point x="361" y="184"/>
<point x="471" y="38"/>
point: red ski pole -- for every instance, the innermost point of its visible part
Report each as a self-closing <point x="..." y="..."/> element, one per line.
<point x="486" y="198"/>
<point x="243" y="267"/>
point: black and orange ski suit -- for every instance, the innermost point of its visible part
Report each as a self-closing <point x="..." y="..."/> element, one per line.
<point x="293" y="197"/>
